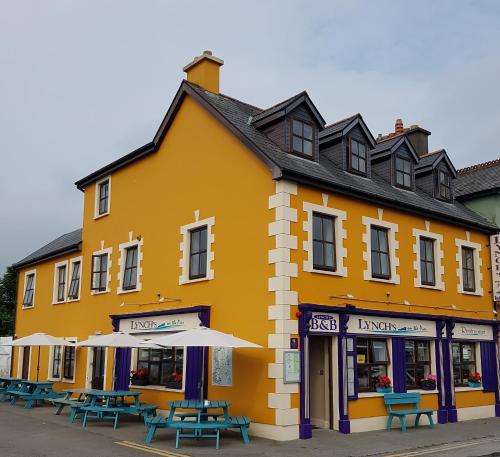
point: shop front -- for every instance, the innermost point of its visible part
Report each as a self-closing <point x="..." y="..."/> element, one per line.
<point x="173" y="372"/>
<point x="351" y="357"/>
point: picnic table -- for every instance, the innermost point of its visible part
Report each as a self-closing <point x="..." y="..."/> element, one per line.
<point x="109" y="404"/>
<point x="32" y="392"/>
<point x="71" y="401"/>
<point x="7" y="383"/>
<point x="204" y="416"/>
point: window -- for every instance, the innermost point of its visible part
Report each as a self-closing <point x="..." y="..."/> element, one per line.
<point x="69" y="363"/>
<point x="103" y="197"/>
<point x="464" y="362"/>
<point x="418" y="363"/>
<point x="443" y="185"/>
<point x="74" y="285"/>
<point x="61" y="283"/>
<point x="99" y="272"/>
<point x="468" y="279"/>
<point x="324" y="242"/>
<point x="380" y="262"/>
<point x="373" y="359"/>
<point x="357" y="156"/>
<point x="130" y="272"/>
<point x="403" y="172"/>
<point x="160" y="367"/>
<point x="302" y="138"/>
<point x="56" y="362"/>
<point x="29" y="290"/>
<point x="198" y="253"/>
<point x="427" y="266"/>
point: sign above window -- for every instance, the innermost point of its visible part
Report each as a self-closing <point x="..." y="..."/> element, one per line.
<point x="157" y="324"/>
<point x="374" y="325"/>
<point x="324" y="323"/>
<point x="472" y="332"/>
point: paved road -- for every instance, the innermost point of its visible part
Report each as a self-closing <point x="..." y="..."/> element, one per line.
<point x="39" y="433"/>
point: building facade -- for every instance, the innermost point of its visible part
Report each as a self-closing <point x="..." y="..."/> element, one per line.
<point x="346" y="257"/>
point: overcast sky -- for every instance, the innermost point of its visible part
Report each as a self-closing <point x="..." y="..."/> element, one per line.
<point x="84" y="82"/>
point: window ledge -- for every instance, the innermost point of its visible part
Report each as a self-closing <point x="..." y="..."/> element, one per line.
<point x="477" y="294"/>
<point x="159" y="388"/>
<point x="127" y="291"/>
<point x="59" y="302"/>
<point x="425" y="286"/>
<point x="468" y="389"/>
<point x="325" y="272"/>
<point x="54" y="379"/>
<point x="98" y="216"/>
<point x="28" y="307"/>
<point x="96" y="292"/>
<point x="385" y="281"/>
<point x="370" y="394"/>
<point x="422" y="391"/>
<point x="68" y="381"/>
<point x="190" y="281"/>
<point x="73" y="300"/>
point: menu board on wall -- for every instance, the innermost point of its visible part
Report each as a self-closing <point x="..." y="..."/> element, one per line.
<point x="222" y="366"/>
<point x="495" y="265"/>
<point x="291" y="367"/>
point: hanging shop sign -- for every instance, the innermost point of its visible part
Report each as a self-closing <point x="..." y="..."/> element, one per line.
<point x="374" y="325"/>
<point x="157" y="324"/>
<point x="324" y="323"/>
<point x="472" y="332"/>
<point x="495" y="265"/>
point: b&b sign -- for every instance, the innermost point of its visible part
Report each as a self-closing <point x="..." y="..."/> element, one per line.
<point x="324" y="323"/>
<point x="495" y="265"/>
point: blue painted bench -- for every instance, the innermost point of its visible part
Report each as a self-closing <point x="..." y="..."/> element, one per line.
<point x="98" y="412"/>
<point x="410" y="399"/>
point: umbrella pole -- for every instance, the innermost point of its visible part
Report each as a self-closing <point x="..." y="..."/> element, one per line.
<point x="38" y="364"/>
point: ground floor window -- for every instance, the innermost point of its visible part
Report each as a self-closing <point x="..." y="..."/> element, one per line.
<point x="372" y="360"/>
<point x="464" y="362"/>
<point x="69" y="363"/>
<point x="160" y="367"/>
<point x="418" y="362"/>
<point x="56" y="362"/>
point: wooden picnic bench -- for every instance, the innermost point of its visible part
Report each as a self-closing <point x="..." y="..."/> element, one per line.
<point x="7" y="383"/>
<point x="69" y="400"/>
<point x="32" y="392"/>
<point x="410" y="399"/>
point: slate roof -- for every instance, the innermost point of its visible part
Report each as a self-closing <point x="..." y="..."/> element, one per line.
<point x="338" y="126"/>
<point x="69" y="242"/>
<point x="428" y="159"/>
<point x="478" y="179"/>
<point x="385" y="145"/>
<point x="276" y="108"/>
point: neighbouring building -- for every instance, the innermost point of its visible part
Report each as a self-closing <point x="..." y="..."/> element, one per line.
<point x="346" y="257"/>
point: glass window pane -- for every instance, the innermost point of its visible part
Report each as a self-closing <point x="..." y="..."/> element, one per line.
<point x="318" y="253"/>
<point x="195" y="241"/>
<point x="203" y="239"/>
<point x="455" y="349"/>
<point x="362" y="151"/>
<point x="423" y="351"/>
<point x="362" y="351"/>
<point x="203" y="263"/>
<point x="297" y="128"/>
<point x="308" y="149"/>
<point x="328" y="229"/>
<point x="379" y="351"/>
<point x="374" y="239"/>
<point x="355" y="162"/>
<point x="317" y="228"/>
<point x="297" y="144"/>
<point x="363" y="380"/>
<point x="382" y="236"/>
<point x="410" y="351"/>
<point x="308" y="132"/>
<point x="194" y="265"/>
<point x="468" y="354"/>
<point x="384" y="264"/>
<point x="329" y="258"/>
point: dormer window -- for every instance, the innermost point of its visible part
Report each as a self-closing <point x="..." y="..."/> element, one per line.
<point x="302" y="138"/>
<point x="443" y="186"/>
<point x="403" y="172"/>
<point x="357" y="156"/>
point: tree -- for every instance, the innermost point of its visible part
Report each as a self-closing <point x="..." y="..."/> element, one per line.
<point x="7" y="302"/>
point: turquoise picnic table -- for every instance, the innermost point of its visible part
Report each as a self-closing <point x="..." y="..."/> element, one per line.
<point x="33" y="392"/>
<point x="8" y="383"/>
<point x="204" y="416"/>
<point x="109" y="404"/>
<point x="72" y="398"/>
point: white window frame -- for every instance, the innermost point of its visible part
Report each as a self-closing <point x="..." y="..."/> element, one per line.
<point x="185" y="249"/>
<point x="478" y="275"/>
<point x="58" y="265"/>
<point x="20" y="360"/>
<point x="88" y="369"/>
<point x="96" y="197"/>
<point x="26" y="274"/>
<point x="70" y="275"/>
<point x="340" y="235"/>
<point x="479" y="368"/>
<point x="102" y="251"/>
<point x="438" y="257"/>
<point x="122" y="260"/>
<point x="392" y="227"/>
<point x="51" y="361"/>
<point x="72" y="339"/>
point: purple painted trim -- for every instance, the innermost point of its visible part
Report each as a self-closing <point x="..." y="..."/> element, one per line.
<point x="399" y="364"/>
<point x="497" y="410"/>
<point x="344" y="426"/>
<point x="305" y="431"/>
<point x="442" y="416"/>
<point x="305" y="427"/>
<point x="452" y="415"/>
<point x="440" y="367"/>
<point x="192" y="309"/>
<point x="122" y="368"/>
<point x="354" y="354"/>
<point x="448" y="371"/>
<point x="342" y="395"/>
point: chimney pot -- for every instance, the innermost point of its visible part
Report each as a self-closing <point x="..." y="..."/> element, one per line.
<point x="398" y="127"/>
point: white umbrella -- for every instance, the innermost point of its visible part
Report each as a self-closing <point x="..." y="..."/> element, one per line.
<point x="39" y="339"/>
<point x="203" y="337"/>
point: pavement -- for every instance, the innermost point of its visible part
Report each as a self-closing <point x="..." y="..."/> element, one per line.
<point x="38" y="432"/>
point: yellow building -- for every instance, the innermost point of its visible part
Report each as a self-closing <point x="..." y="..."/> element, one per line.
<point x="345" y="257"/>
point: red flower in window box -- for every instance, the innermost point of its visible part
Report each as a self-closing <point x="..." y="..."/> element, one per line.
<point x="474" y="379"/>
<point x="139" y="376"/>
<point x="383" y="382"/>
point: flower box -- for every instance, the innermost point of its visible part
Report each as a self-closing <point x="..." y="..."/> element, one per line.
<point x="384" y="390"/>
<point x="474" y="384"/>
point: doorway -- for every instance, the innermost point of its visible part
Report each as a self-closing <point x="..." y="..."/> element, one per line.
<point x="320" y="382"/>
<point x="25" y="372"/>
<point x="98" y="368"/>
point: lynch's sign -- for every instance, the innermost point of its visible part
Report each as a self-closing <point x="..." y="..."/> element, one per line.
<point x="157" y="324"/>
<point x="373" y="325"/>
<point x="324" y="323"/>
<point x="495" y="265"/>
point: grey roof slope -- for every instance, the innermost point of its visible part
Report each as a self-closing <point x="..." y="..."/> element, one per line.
<point x="428" y="159"/>
<point x="69" y="242"/>
<point x="338" y="126"/>
<point x="478" y="179"/>
<point x="329" y="175"/>
<point x="278" y="107"/>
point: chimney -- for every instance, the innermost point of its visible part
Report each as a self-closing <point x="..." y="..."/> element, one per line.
<point x="204" y="71"/>
<point x="398" y="127"/>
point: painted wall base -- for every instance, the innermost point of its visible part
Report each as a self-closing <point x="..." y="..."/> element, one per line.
<point x="275" y="432"/>
<point x="442" y="416"/>
<point x="305" y="431"/>
<point x="345" y="426"/>
<point x="497" y="410"/>
<point x="452" y="415"/>
<point x="475" y="412"/>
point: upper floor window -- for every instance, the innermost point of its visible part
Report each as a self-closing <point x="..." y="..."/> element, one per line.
<point x="102" y="197"/>
<point x="357" y="156"/>
<point x="427" y="264"/>
<point x="443" y="185"/>
<point x="29" y="290"/>
<point x="468" y="276"/>
<point x="130" y="271"/>
<point x="74" y="285"/>
<point x="99" y="272"/>
<point x="403" y="172"/>
<point x="324" y="257"/>
<point x="198" y="253"/>
<point x="380" y="262"/>
<point x="61" y="283"/>
<point x="302" y="138"/>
